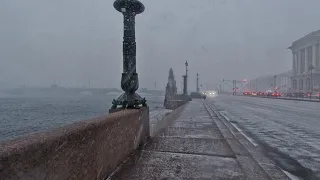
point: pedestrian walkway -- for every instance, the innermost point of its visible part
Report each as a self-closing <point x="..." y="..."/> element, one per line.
<point x="198" y="145"/>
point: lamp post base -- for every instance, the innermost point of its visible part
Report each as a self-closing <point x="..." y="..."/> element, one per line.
<point x="127" y="100"/>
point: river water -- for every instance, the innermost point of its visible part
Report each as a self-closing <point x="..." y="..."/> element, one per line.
<point x="21" y="115"/>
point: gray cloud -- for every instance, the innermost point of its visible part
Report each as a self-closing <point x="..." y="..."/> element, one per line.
<point x="77" y="40"/>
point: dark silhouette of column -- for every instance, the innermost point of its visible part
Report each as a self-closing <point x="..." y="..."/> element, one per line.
<point x="185" y="80"/>
<point x="129" y="79"/>
<point x="185" y="85"/>
<point x="197" y="82"/>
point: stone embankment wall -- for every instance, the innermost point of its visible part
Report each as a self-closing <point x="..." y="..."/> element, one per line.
<point x="91" y="149"/>
<point x="167" y="120"/>
<point x="176" y="101"/>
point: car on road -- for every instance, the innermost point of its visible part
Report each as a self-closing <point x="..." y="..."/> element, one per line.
<point x="290" y="95"/>
<point x="270" y="93"/>
<point x="198" y="95"/>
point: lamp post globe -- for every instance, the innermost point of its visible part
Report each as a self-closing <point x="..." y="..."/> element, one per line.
<point x="128" y="6"/>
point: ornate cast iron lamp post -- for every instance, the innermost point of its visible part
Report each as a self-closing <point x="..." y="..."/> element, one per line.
<point x="197" y="82"/>
<point x="185" y="80"/>
<point x="129" y="79"/>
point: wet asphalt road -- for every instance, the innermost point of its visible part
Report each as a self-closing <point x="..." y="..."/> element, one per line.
<point x="290" y="130"/>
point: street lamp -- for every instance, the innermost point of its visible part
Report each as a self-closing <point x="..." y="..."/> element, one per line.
<point x="185" y="80"/>
<point x="129" y="78"/>
<point x="186" y="68"/>
<point x="274" y="82"/>
<point x="256" y="85"/>
<point x="292" y="86"/>
<point x="197" y="82"/>
<point x="311" y="80"/>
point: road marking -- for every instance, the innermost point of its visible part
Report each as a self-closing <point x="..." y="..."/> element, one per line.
<point x="247" y="137"/>
<point x="239" y="129"/>
<point x="291" y="176"/>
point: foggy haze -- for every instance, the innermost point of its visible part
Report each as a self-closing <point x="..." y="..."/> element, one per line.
<point x="76" y="41"/>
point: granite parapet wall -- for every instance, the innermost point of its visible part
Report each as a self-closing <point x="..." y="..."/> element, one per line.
<point x="91" y="149"/>
<point x="168" y="119"/>
<point x="176" y="101"/>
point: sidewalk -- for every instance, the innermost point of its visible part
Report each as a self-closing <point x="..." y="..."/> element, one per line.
<point x="198" y="145"/>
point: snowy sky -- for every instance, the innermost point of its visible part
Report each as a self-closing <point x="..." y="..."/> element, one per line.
<point x="73" y="41"/>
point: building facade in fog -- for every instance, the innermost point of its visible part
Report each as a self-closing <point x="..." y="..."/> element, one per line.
<point x="306" y="58"/>
<point x="283" y="81"/>
<point x="260" y="84"/>
<point x="280" y="81"/>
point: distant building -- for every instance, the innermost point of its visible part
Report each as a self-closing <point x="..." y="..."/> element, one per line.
<point x="281" y="82"/>
<point x="260" y="84"/>
<point x="306" y="56"/>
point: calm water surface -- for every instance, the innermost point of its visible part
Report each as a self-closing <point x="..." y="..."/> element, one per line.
<point x="23" y="115"/>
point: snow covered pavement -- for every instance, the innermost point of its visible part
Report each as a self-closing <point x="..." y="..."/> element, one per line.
<point x="290" y="127"/>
